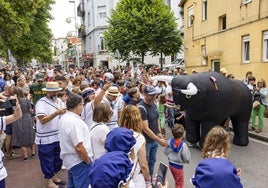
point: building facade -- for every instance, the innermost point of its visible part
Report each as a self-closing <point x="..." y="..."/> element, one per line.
<point x="64" y="51"/>
<point x="94" y="15"/>
<point x="226" y="33"/>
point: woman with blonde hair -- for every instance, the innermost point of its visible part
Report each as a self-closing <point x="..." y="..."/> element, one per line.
<point x="215" y="170"/>
<point x="131" y="119"/>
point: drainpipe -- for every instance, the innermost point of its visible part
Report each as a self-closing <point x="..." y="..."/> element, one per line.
<point x="259" y="11"/>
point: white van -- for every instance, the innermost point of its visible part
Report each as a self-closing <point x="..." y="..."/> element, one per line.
<point x="177" y="63"/>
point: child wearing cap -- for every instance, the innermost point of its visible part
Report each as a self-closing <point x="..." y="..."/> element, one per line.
<point x="115" y="168"/>
<point x="178" y="153"/>
<point x="215" y="170"/>
<point x="91" y="99"/>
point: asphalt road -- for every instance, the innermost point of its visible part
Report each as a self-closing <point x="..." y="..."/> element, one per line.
<point x="252" y="159"/>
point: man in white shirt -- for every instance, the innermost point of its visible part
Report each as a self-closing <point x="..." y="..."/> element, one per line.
<point x="75" y="143"/>
<point x="115" y="102"/>
<point x="48" y="113"/>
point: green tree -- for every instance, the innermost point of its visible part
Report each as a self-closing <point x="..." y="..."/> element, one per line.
<point x="24" y="29"/>
<point x="142" y="26"/>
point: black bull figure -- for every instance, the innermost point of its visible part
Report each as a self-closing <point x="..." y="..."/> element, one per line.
<point x="208" y="99"/>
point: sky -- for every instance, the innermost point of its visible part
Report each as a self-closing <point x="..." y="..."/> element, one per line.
<point x="61" y="10"/>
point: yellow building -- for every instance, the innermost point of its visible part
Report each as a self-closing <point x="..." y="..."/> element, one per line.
<point x="226" y="33"/>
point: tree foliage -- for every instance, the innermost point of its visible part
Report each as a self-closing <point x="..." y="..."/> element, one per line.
<point x="142" y="26"/>
<point x="24" y="29"/>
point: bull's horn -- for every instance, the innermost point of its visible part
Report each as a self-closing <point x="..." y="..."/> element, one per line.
<point x="163" y="78"/>
<point x="191" y="89"/>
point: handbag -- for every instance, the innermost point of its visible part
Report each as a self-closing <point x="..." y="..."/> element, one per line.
<point x="256" y="104"/>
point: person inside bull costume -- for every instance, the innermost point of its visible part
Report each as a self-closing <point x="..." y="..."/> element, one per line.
<point x="208" y="99"/>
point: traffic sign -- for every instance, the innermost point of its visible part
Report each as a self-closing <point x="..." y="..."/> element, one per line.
<point x="70" y="59"/>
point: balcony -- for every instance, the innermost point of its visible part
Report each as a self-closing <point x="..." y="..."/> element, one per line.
<point x="81" y="10"/>
<point x="82" y="31"/>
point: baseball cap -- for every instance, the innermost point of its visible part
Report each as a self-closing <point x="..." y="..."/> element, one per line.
<point x="87" y="91"/>
<point x="150" y="90"/>
<point x="40" y="77"/>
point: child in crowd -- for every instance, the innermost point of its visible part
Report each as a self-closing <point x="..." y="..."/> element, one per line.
<point x="179" y="116"/>
<point x="62" y="95"/>
<point x="215" y="170"/>
<point x="178" y="153"/>
<point x="161" y="107"/>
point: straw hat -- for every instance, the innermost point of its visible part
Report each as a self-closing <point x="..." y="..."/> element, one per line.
<point x="113" y="90"/>
<point x="52" y="86"/>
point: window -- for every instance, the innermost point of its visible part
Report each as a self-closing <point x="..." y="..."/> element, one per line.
<point x="265" y="46"/>
<point x="102" y="12"/>
<point x="222" y="22"/>
<point x="205" y="11"/>
<point x="246" y="1"/>
<point x="102" y="44"/>
<point x="245" y="49"/>
<point x="190" y="16"/>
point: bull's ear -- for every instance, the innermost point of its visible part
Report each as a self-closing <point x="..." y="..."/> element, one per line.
<point x="191" y="89"/>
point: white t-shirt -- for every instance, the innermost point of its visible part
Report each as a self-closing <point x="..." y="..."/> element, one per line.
<point x="169" y="98"/>
<point x="50" y="73"/>
<point x="138" y="179"/>
<point x="87" y="113"/>
<point x="72" y="131"/>
<point x="98" y="134"/>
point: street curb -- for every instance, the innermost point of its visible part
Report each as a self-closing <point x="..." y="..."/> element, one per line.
<point x="258" y="136"/>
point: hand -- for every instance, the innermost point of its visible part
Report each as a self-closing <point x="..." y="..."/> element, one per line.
<point x="238" y="171"/>
<point x="162" y="142"/>
<point x="106" y="86"/>
<point x="163" y="186"/>
<point x="160" y="135"/>
<point x="61" y="111"/>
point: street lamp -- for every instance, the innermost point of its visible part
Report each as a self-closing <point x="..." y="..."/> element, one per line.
<point x="77" y="26"/>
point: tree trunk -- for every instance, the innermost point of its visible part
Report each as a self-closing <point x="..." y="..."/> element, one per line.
<point x="161" y="63"/>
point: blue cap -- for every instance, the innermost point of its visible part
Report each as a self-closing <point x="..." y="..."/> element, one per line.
<point x="110" y="170"/>
<point x="216" y="172"/>
<point x="120" y="139"/>
<point x="87" y="91"/>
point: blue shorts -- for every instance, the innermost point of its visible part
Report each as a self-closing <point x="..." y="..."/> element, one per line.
<point x="49" y="156"/>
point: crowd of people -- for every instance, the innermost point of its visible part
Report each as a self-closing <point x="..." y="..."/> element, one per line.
<point x="94" y="122"/>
